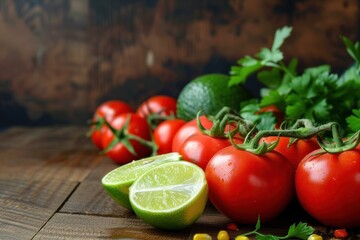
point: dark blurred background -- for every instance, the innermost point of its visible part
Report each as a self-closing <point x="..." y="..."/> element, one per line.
<point x="59" y="59"/>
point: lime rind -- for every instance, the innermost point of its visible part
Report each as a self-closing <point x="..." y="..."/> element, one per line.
<point x="170" y="196"/>
<point x="117" y="182"/>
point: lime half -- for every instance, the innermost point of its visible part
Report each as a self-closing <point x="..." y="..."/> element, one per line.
<point x="170" y="196"/>
<point x="118" y="181"/>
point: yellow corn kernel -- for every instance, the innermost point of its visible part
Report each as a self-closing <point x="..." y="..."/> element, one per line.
<point x="223" y="235"/>
<point x="202" y="236"/>
<point x="315" y="237"/>
<point x="241" y="237"/>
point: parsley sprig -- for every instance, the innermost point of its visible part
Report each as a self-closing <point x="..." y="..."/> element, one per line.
<point x="297" y="231"/>
<point x="316" y="93"/>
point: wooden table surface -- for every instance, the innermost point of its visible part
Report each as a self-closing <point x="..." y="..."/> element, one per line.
<point x="50" y="189"/>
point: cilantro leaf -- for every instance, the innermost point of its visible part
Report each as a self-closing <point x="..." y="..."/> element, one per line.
<point x="301" y="230"/>
<point x="266" y="237"/>
<point x="270" y="78"/>
<point x="240" y="74"/>
<point x="280" y="36"/>
<point x="353" y="49"/>
<point x="263" y="121"/>
<point x="272" y="98"/>
<point x="316" y="93"/>
<point x="354" y="120"/>
<point x="265" y="58"/>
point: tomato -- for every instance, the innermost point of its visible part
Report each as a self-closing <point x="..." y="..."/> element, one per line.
<point x="200" y="148"/>
<point x="137" y="126"/>
<point x="107" y="110"/>
<point x="296" y="151"/>
<point x="96" y="133"/>
<point x="160" y="104"/>
<point x="164" y="134"/>
<point x="187" y="130"/>
<point x="244" y="186"/>
<point x="328" y="187"/>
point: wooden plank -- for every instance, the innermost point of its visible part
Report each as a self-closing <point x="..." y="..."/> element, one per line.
<point x="47" y="153"/>
<point x="91" y="198"/>
<point x="25" y="206"/>
<point x="56" y="137"/>
<point x="73" y="226"/>
<point x="39" y="169"/>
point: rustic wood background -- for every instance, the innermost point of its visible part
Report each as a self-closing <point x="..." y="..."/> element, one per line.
<point x="59" y="59"/>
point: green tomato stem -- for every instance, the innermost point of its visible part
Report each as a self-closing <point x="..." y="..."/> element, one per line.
<point x="300" y="133"/>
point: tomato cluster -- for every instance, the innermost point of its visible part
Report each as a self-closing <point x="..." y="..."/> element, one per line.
<point x="243" y="184"/>
<point x="125" y="134"/>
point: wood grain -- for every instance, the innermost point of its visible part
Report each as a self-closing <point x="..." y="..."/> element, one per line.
<point x="39" y="169"/>
<point x="91" y="198"/>
<point x="65" y="226"/>
<point x="27" y="205"/>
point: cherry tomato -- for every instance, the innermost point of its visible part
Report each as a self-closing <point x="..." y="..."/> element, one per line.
<point x="160" y="104"/>
<point x="187" y="130"/>
<point x="137" y="126"/>
<point x="244" y="186"/>
<point x="107" y="110"/>
<point x="328" y="187"/>
<point x="296" y="151"/>
<point x="164" y="134"/>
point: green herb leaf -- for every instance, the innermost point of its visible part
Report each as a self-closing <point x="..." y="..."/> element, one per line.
<point x="316" y="94"/>
<point x="266" y="237"/>
<point x="272" y="98"/>
<point x="266" y="58"/>
<point x="301" y="230"/>
<point x="263" y="121"/>
<point x="257" y="226"/>
<point x="240" y="74"/>
<point x="353" y="49"/>
<point x="354" y="120"/>
<point x="271" y="78"/>
<point x="280" y="36"/>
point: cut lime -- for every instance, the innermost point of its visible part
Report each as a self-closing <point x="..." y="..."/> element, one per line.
<point x="118" y="181"/>
<point x="170" y="196"/>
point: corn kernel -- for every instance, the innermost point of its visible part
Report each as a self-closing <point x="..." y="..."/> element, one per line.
<point x="223" y="235"/>
<point x="241" y="237"/>
<point x="315" y="237"/>
<point x="202" y="236"/>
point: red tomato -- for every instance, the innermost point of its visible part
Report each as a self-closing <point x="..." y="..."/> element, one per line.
<point x="107" y="110"/>
<point x="244" y="186"/>
<point x="328" y="187"/>
<point x="138" y="126"/>
<point x="296" y="151"/>
<point x="164" y="134"/>
<point x="200" y="148"/>
<point x="187" y="130"/>
<point x="163" y="105"/>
